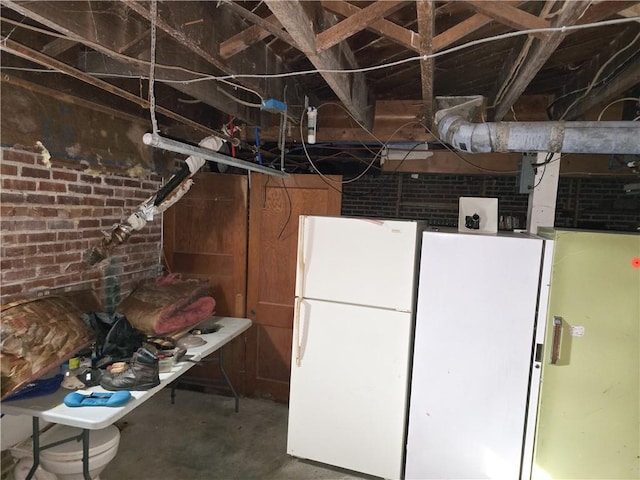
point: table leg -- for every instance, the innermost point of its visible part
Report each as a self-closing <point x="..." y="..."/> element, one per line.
<point x="226" y="378"/>
<point x="85" y="454"/>
<point x="36" y="448"/>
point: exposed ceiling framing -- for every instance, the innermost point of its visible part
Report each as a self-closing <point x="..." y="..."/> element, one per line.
<point x="217" y="61"/>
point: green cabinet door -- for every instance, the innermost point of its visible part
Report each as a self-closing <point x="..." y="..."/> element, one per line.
<point x="589" y="413"/>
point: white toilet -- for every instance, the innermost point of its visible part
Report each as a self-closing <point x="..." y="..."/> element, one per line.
<point x="65" y="460"/>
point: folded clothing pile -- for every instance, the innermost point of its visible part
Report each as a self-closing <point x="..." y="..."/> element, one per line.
<point x="168" y="305"/>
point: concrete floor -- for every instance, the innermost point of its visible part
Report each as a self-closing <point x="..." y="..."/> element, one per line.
<point x="201" y="437"/>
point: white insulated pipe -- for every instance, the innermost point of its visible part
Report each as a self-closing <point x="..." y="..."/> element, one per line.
<point x="158" y="141"/>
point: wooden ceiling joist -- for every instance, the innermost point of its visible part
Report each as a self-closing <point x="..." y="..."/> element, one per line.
<point x="182" y="39"/>
<point x="350" y="88"/>
<point x="509" y="15"/>
<point x="356" y="23"/>
<point x="538" y="56"/>
<point x="426" y="22"/>
<point x="400" y="35"/>
<point x="27" y="53"/>
<point x="274" y="28"/>
<point x="246" y="38"/>
<point x="58" y="46"/>
<point x="406" y="37"/>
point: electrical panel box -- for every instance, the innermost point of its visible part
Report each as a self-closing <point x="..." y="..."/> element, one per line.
<point x="527" y="174"/>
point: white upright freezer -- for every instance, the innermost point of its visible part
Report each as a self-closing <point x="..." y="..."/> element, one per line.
<point x="473" y="362"/>
<point x="352" y="335"/>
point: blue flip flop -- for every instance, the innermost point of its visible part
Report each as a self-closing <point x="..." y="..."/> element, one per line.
<point x="97" y="399"/>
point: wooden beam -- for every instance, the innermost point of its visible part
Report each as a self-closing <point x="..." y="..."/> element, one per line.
<point x="182" y="39"/>
<point x="622" y="82"/>
<point x="15" y="48"/>
<point x="335" y="125"/>
<point x="601" y="10"/>
<point x="406" y="37"/>
<point x="98" y="36"/>
<point x="403" y="36"/>
<point x="444" y="161"/>
<point x="102" y="32"/>
<point x="426" y="26"/>
<point x="65" y="97"/>
<point x="355" y="23"/>
<point x="58" y="46"/>
<point x="538" y="56"/>
<point x="246" y="38"/>
<point x="459" y="31"/>
<point x="350" y="88"/>
<point x="511" y="16"/>
<point x="206" y="92"/>
<point x="274" y="28"/>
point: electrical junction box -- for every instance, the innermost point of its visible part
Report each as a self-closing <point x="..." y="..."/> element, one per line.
<point x="527" y="174"/>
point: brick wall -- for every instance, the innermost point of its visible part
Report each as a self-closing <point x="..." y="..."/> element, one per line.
<point x="50" y="216"/>
<point x="595" y="203"/>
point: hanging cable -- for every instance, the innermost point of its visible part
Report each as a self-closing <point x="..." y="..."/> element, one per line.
<point x="237" y="100"/>
<point x="204" y="77"/>
<point x="597" y="75"/>
<point x="152" y="96"/>
<point x="625" y="99"/>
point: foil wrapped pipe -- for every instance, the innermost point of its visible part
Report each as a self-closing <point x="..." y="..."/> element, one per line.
<point x="456" y="129"/>
<point x="172" y="191"/>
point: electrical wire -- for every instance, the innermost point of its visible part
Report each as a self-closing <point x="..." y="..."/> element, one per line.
<point x="237" y="100"/>
<point x="125" y="58"/>
<point x="204" y="77"/>
<point x="597" y="75"/>
<point x="326" y="179"/>
<point x="625" y="99"/>
<point x="544" y="169"/>
<point x="611" y="75"/>
<point x="152" y="97"/>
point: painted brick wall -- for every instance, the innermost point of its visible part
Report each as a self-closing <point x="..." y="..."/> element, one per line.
<point x="50" y="216"/>
<point x="596" y="203"/>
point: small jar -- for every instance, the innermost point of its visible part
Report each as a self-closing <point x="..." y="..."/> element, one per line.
<point x="165" y="363"/>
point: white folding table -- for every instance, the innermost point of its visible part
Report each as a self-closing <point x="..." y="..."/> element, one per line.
<point x="52" y="409"/>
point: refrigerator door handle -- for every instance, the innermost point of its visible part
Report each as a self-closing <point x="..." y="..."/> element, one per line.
<point x="296" y="328"/>
<point x="557" y="339"/>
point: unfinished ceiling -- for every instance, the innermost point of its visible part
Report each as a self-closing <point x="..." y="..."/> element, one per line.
<point x="375" y="64"/>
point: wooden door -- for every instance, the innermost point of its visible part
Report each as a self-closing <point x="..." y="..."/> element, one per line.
<point x="274" y="208"/>
<point x="205" y="236"/>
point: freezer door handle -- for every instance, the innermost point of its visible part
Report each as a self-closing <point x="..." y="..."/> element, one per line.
<point x="557" y="339"/>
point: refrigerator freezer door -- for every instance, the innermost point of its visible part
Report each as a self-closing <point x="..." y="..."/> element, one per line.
<point x="589" y="414"/>
<point x="348" y="396"/>
<point x="475" y="321"/>
<point x="357" y="260"/>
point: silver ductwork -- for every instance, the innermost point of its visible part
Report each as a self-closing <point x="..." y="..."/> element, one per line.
<point x="453" y="121"/>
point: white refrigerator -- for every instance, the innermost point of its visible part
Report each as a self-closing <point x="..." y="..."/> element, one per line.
<point x="352" y="336"/>
<point x="474" y="369"/>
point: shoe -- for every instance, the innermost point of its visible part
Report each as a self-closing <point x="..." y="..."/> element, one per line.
<point x="143" y="373"/>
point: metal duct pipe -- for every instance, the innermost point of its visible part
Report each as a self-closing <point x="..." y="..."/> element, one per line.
<point x="455" y="129"/>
